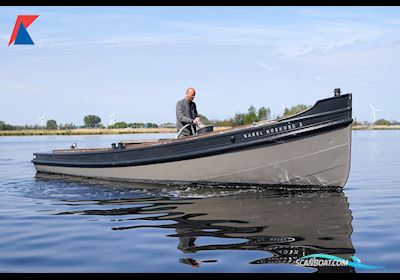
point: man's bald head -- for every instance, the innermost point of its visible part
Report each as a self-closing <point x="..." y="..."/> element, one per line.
<point x="190" y="94"/>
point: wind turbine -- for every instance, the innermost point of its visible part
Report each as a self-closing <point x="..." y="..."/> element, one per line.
<point x="42" y="119"/>
<point x="373" y="113"/>
<point x="112" y="119"/>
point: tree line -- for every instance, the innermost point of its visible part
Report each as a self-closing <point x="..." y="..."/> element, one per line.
<point x="50" y="125"/>
<point x="90" y="121"/>
<point x="253" y="115"/>
<point x="377" y="122"/>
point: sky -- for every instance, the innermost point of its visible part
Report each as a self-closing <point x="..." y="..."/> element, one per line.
<point x="137" y="62"/>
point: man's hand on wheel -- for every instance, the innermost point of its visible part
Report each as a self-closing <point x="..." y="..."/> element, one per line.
<point x="196" y="120"/>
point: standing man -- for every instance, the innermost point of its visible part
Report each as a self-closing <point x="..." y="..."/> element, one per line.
<point x="186" y="113"/>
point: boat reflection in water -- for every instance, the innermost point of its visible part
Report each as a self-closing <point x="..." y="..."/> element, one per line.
<point x="286" y="224"/>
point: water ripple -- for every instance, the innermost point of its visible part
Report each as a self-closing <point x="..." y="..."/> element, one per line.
<point x="65" y="224"/>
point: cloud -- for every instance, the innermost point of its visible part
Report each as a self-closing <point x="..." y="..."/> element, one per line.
<point x="312" y="33"/>
<point x="267" y="67"/>
<point x="129" y="41"/>
<point x="289" y="40"/>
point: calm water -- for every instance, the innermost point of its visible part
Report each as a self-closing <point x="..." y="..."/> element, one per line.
<point x="59" y="224"/>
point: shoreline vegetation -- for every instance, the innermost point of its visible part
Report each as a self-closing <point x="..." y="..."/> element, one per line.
<point x="93" y="126"/>
<point x="90" y="131"/>
<point x="105" y="131"/>
<point x="376" y="127"/>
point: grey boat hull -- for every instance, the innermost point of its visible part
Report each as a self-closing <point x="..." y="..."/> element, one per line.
<point x="319" y="160"/>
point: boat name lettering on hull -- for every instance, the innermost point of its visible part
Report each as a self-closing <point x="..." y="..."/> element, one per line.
<point x="253" y="134"/>
<point x="272" y="130"/>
